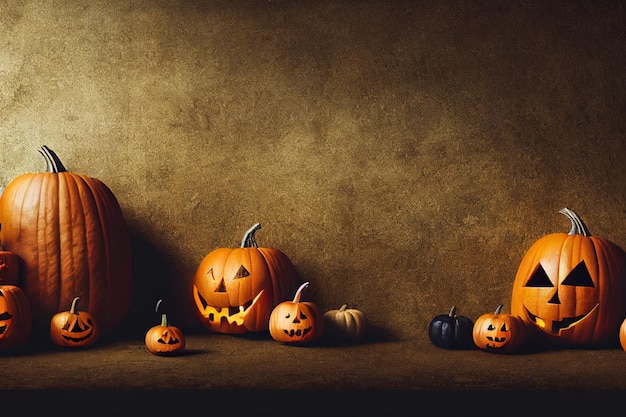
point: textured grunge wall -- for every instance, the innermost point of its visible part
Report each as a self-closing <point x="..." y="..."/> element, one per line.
<point x="403" y="154"/>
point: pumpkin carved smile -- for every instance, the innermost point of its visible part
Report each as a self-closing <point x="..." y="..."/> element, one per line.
<point x="557" y="326"/>
<point x="233" y="315"/>
<point x="236" y="289"/>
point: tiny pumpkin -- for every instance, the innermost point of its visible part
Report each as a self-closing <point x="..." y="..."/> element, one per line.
<point x="296" y="322"/>
<point x="345" y="324"/>
<point x="450" y="331"/>
<point x="74" y="328"/>
<point x="9" y="268"/>
<point x="15" y="318"/>
<point x="499" y="332"/>
<point x="165" y="339"/>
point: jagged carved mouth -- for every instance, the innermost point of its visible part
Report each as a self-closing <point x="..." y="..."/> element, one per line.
<point x="558" y="326"/>
<point x="232" y="314"/>
<point x="3" y="329"/>
<point x="81" y="334"/>
<point x="297" y="332"/>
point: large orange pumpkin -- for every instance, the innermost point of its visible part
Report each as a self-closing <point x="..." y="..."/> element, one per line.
<point x="235" y="290"/>
<point x="571" y="287"/>
<point x="69" y="231"/>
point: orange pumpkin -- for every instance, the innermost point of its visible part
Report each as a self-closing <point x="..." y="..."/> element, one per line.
<point x="9" y="268"/>
<point x="499" y="332"/>
<point x="74" y="328"/>
<point x="571" y="287"/>
<point x="235" y="290"/>
<point x="15" y="318"/>
<point x="69" y="231"/>
<point x="295" y="322"/>
<point x="165" y="339"/>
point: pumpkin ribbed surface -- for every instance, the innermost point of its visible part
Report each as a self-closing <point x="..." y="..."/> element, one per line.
<point x="70" y="233"/>
<point x="572" y="287"/>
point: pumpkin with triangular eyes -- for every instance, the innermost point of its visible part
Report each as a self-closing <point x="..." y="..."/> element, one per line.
<point x="499" y="332"/>
<point x="571" y="287"/>
<point x="236" y="289"/>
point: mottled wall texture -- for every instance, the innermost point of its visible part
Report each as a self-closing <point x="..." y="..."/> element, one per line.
<point x="403" y="154"/>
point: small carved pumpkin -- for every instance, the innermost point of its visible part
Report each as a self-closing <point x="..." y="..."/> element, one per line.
<point x="15" y="318"/>
<point x="74" y="328"/>
<point x="235" y="290"/>
<point x="345" y="324"/>
<point x="571" y="287"/>
<point x="449" y="331"/>
<point x="499" y="332"/>
<point x="9" y="268"/>
<point x="295" y="322"/>
<point x="165" y="339"/>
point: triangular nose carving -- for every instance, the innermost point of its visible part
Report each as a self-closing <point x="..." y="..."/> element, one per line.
<point x="555" y="299"/>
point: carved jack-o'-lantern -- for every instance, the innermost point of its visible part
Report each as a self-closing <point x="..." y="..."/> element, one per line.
<point x="165" y="339"/>
<point x="572" y="287"/>
<point x="295" y="322"/>
<point x="499" y="332"/>
<point x="15" y="318"/>
<point x="74" y="328"/>
<point x="235" y="290"/>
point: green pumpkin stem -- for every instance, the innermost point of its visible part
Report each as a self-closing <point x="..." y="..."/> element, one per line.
<point x="578" y="226"/>
<point x="296" y="298"/>
<point x="499" y="309"/>
<point x="249" y="239"/>
<point x="53" y="163"/>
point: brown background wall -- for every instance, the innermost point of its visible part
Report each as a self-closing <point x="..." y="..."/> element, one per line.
<point x="403" y="154"/>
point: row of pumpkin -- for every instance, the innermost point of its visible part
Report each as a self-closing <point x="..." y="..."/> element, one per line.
<point x="293" y="322"/>
<point x="70" y="237"/>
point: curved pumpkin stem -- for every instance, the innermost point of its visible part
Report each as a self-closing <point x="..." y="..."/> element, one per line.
<point x="249" y="239"/>
<point x="74" y="306"/>
<point x="53" y="163"/>
<point x="499" y="309"/>
<point x="296" y="298"/>
<point x="163" y="315"/>
<point x="452" y="311"/>
<point x="343" y="307"/>
<point x="578" y="226"/>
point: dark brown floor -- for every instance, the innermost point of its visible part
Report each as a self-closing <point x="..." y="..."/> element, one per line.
<point x="254" y="375"/>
